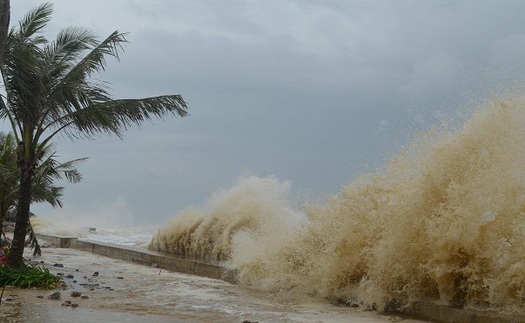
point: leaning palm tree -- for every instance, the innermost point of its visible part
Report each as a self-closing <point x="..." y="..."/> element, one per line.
<point x="50" y="91"/>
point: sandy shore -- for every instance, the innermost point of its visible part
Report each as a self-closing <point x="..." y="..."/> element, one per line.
<point x="116" y="291"/>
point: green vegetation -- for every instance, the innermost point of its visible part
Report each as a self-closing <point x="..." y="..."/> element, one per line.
<point x="43" y="187"/>
<point x="31" y="276"/>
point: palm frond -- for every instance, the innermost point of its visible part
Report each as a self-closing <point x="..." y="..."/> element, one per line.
<point x="129" y="111"/>
<point x="46" y="192"/>
<point x="94" y="61"/>
<point x="18" y="69"/>
<point x="116" y="115"/>
<point x="69" y="85"/>
<point x="70" y="171"/>
<point x="33" y="241"/>
<point x="35" y="20"/>
<point x="61" y="54"/>
<point x="50" y="169"/>
<point x="22" y="83"/>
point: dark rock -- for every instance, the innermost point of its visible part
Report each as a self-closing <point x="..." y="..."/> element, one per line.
<point x="95" y="274"/>
<point x="40" y="296"/>
<point x="66" y="303"/>
<point x="60" y="274"/>
<point x="120" y="277"/>
<point x="84" y="297"/>
<point x="74" y="305"/>
<point x="70" y="276"/>
<point x="58" y="265"/>
<point x="54" y="295"/>
<point x="76" y="294"/>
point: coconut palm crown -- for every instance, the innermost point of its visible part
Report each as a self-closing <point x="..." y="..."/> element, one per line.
<point x="50" y="90"/>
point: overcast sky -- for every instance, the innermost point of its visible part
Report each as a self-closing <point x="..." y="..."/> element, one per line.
<point x="312" y="92"/>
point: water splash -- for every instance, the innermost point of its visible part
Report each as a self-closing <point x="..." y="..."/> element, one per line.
<point x="252" y="209"/>
<point x="58" y="228"/>
<point x="443" y="221"/>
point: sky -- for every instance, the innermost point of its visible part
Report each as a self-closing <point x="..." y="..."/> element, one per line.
<point x="311" y="92"/>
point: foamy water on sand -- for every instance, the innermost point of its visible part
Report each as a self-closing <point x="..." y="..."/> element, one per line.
<point x="168" y="296"/>
<point x="126" y="292"/>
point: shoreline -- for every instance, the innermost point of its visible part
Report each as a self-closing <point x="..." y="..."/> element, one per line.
<point x="121" y="291"/>
<point x="104" y="299"/>
<point x="422" y="310"/>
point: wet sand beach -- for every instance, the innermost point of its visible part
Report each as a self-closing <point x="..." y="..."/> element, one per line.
<point x="116" y="291"/>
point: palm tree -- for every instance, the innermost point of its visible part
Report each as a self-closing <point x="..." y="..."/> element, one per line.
<point x="50" y="90"/>
<point x="43" y="188"/>
<point x="9" y="176"/>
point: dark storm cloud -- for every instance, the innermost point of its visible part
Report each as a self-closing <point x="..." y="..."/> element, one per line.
<point x="309" y="91"/>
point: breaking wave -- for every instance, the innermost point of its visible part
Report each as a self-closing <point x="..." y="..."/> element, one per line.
<point x="255" y="206"/>
<point x="443" y="221"/>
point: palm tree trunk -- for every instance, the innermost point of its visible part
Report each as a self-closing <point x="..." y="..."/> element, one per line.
<point x="22" y="219"/>
<point x="4" y="210"/>
<point x="4" y="25"/>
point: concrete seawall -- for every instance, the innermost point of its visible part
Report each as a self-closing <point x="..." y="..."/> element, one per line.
<point x="144" y="257"/>
<point x="422" y="310"/>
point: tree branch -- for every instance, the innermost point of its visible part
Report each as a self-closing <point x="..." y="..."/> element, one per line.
<point x="4" y="25"/>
